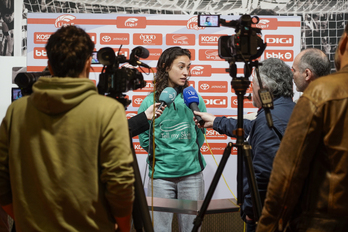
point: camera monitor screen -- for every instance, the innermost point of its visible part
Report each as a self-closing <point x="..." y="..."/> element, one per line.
<point x="16" y="93"/>
<point x="208" y="20"/>
<point x="95" y="58"/>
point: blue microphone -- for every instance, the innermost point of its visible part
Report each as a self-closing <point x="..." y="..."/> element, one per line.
<point x="167" y="97"/>
<point x="191" y="99"/>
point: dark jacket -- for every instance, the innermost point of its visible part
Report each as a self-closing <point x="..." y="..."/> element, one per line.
<point x="309" y="183"/>
<point x="264" y="142"/>
<point x="138" y="124"/>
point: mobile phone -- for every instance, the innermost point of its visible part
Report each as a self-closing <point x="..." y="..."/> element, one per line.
<point x="95" y="58"/>
<point x="208" y="20"/>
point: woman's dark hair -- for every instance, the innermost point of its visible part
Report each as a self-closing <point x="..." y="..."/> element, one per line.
<point x="164" y="63"/>
<point x="68" y="50"/>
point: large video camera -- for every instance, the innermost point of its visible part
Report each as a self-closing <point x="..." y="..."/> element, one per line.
<point x="25" y="80"/>
<point x="245" y="45"/>
<point x="115" y="81"/>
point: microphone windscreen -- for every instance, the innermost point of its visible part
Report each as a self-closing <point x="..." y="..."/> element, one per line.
<point x="190" y="96"/>
<point x="168" y="95"/>
<point x="141" y="52"/>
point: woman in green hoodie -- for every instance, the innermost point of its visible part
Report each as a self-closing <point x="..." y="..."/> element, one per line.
<point x="177" y="170"/>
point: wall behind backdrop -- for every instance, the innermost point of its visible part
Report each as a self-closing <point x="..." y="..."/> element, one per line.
<point x="321" y="24"/>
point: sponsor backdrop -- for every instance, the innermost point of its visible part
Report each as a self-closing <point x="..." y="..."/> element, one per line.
<point x="158" y="32"/>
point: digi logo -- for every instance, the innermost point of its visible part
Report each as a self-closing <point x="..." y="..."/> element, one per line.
<point x="284" y="55"/>
<point x="192" y="24"/>
<point x="114" y="38"/>
<point x="209" y="54"/>
<point x="64" y="20"/>
<point x="41" y="37"/>
<point x="40" y="53"/>
<point x="213" y="86"/>
<point x="200" y="70"/>
<point x="137" y="100"/>
<point x="208" y="39"/>
<point x="246" y="103"/>
<point x="130" y="22"/>
<point x="215" y="101"/>
<point x="147" y="39"/>
<point x="180" y="39"/>
<point x="279" y="40"/>
<point x="267" y="24"/>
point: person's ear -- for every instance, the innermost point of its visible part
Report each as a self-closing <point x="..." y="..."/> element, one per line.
<point x="309" y="74"/>
<point x="88" y="66"/>
<point x="343" y="44"/>
<point x="50" y="67"/>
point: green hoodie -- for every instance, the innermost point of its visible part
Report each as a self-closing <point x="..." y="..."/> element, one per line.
<point x="65" y="158"/>
<point x="177" y="138"/>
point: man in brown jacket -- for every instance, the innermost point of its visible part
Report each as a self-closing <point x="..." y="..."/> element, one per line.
<point x="308" y="188"/>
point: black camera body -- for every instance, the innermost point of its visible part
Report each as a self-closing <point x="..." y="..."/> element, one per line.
<point x="245" y="45"/>
<point x="115" y="81"/>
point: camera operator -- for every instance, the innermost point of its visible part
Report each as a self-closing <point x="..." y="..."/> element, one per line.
<point x="65" y="159"/>
<point x="277" y="77"/>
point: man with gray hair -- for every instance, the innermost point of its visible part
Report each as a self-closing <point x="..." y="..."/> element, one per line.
<point x="308" y="65"/>
<point x="277" y="77"/>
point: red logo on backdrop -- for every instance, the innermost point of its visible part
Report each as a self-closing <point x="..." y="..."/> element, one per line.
<point x="180" y="39"/>
<point x="147" y="88"/>
<point x="215" y="101"/>
<point x="40" y="53"/>
<point x="41" y="37"/>
<point x="64" y="20"/>
<point x="209" y="39"/>
<point x="201" y="70"/>
<point x="193" y="54"/>
<point x="93" y="37"/>
<point x="124" y="51"/>
<point x="209" y="54"/>
<point x="137" y="100"/>
<point x="213" y="86"/>
<point x="284" y="55"/>
<point x="216" y="149"/>
<point x="267" y="24"/>
<point x="213" y="134"/>
<point x="130" y="22"/>
<point x="147" y="39"/>
<point x="279" y="40"/>
<point x="246" y="103"/>
<point x="192" y="83"/>
<point x="138" y="149"/>
<point x="114" y="38"/>
<point x="154" y="54"/>
<point x="192" y="24"/>
<point x="130" y="114"/>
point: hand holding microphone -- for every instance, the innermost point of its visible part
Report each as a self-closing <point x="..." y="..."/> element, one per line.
<point x="166" y="98"/>
<point x="149" y="111"/>
<point x="191" y="100"/>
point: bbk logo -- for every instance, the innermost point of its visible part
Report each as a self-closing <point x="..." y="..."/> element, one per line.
<point x="192" y="24"/>
<point x="40" y="53"/>
<point x="215" y="101"/>
<point x="41" y="37"/>
<point x="64" y="20"/>
<point x="284" y="55"/>
<point x="279" y="40"/>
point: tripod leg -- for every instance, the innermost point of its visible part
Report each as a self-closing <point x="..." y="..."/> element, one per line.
<point x="254" y="190"/>
<point x="198" y="220"/>
<point x="141" y="215"/>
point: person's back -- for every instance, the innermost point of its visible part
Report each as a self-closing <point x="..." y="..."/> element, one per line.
<point x="67" y="153"/>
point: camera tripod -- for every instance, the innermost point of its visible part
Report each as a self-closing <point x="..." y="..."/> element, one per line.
<point x="240" y="85"/>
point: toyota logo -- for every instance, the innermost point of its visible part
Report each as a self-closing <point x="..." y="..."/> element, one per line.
<point x="138" y="101"/>
<point x="106" y="38"/>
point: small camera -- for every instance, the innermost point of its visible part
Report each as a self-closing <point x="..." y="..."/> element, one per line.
<point x="208" y="20"/>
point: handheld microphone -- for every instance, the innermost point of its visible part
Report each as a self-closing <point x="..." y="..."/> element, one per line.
<point x="191" y="99"/>
<point x="139" y="52"/>
<point x="167" y="97"/>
